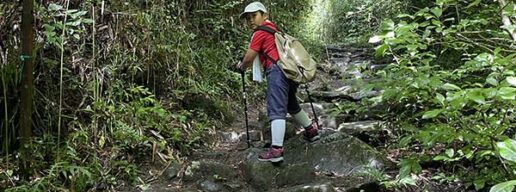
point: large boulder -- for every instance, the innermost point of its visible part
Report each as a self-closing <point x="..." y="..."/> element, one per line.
<point x="336" y="154"/>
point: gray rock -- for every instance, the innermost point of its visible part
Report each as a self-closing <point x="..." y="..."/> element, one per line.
<point x="233" y="186"/>
<point x="229" y="137"/>
<point x="173" y="170"/>
<point x="326" y="120"/>
<point x="361" y="126"/>
<point x="265" y="176"/>
<point x="376" y="67"/>
<point x="207" y="169"/>
<point x="318" y="187"/>
<point x="336" y="154"/>
<point x="364" y="94"/>
<point x="254" y="135"/>
<point x="210" y="186"/>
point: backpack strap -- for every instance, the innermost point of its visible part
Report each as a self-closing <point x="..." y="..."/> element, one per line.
<point x="270" y="31"/>
<point x="266" y="29"/>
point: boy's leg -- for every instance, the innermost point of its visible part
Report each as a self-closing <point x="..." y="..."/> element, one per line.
<point x="293" y="107"/>
<point x="311" y="128"/>
<point x="277" y="98"/>
<point x="278" y="127"/>
<point x="302" y="118"/>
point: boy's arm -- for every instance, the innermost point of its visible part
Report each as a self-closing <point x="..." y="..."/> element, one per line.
<point x="248" y="59"/>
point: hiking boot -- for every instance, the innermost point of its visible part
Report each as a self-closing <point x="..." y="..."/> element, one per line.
<point x="273" y="155"/>
<point x="312" y="133"/>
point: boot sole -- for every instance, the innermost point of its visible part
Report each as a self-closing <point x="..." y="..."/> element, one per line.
<point x="274" y="160"/>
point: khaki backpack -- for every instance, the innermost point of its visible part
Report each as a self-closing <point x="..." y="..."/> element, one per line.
<point x="295" y="62"/>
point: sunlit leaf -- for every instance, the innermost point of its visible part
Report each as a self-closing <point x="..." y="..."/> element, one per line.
<point x="476" y="2"/>
<point x="511" y="81"/>
<point x="432" y="113"/>
<point x="380" y="50"/>
<point x="375" y="39"/>
<point x="450" y="152"/>
<point x="507" y="149"/>
<point x="504" y="187"/>
<point x="479" y="184"/>
<point x="54" y="7"/>
<point x="507" y="93"/>
<point x="437" y="12"/>
<point x="492" y="81"/>
<point x="449" y="86"/>
<point x="440" y="98"/>
<point x="476" y="96"/>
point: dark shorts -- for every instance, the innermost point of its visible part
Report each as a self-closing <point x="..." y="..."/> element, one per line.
<point x="281" y="94"/>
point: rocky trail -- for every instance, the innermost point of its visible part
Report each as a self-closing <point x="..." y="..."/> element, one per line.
<point x="344" y="159"/>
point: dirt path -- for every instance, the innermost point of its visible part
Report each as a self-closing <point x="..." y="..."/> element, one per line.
<point x="222" y="167"/>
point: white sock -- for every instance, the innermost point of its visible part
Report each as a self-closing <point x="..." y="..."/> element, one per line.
<point x="302" y="118"/>
<point x="278" y="132"/>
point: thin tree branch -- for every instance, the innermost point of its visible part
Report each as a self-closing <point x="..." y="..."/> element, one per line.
<point x="506" y="20"/>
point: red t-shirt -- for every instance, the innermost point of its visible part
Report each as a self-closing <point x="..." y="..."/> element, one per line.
<point x="263" y="43"/>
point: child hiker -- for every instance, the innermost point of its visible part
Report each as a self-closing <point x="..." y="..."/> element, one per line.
<point x="281" y="92"/>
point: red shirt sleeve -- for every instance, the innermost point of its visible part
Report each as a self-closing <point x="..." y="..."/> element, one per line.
<point x="257" y="41"/>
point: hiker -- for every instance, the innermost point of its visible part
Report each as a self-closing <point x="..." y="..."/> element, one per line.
<point x="281" y="91"/>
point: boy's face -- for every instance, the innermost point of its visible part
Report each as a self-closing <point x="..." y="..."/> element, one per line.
<point x="255" y="19"/>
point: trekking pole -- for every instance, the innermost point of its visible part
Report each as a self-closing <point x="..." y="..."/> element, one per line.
<point x="242" y="72"/>
<point x="312" y="105"/>
<point x="309" y="97"/>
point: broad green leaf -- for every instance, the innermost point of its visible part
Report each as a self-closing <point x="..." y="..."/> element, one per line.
<point x="476" y="2"/>
<point x="479" y="184"/>
<point x="54" y="7"/>
<point x="507" y="149"/>
<point x="440" y="98"/>
<point x="450" y="152"/>
<point x="380" y="50"/>
<point x="507" y="93"/>
<point x="440" y="158"/>
<point x="504" y="187"/>
<point x="375" y="39"/>
<point x="437" y="12"/>
<point x="476" y="96"/>
<point x="511" y="81"/>
<point x="87" y="21"/>
<point x="449" y="86"/>
<point x="405" y="141"/>
<point x="387" y="25"/>
<point x="405" y="15"/>
<point x="492" y="81"/>
<point x="432" y="113"/>
<point x="407" y="181"/>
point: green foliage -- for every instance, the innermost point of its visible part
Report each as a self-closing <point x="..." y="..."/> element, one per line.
<point x="152" y="79"/>
<point x="347" y="21"/>
<point x="452" y="80"/>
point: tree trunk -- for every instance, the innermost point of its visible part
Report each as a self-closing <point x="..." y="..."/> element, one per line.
<point x="27" y="89"/>
<point x="506" y="20"/>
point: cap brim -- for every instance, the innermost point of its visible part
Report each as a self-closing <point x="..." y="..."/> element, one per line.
<point x="242" y="15"/>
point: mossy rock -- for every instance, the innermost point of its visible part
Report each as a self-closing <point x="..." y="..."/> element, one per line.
<point x="336" y="154"/>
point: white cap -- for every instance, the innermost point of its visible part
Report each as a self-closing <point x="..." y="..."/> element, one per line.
<point x="253" y="7"/>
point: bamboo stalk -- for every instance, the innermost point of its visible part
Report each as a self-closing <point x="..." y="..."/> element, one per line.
<point x="27" y="88"/>
<point x="6" y="118"/>
<point x="94" y="71"/>
<point x="61" y="80"/>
